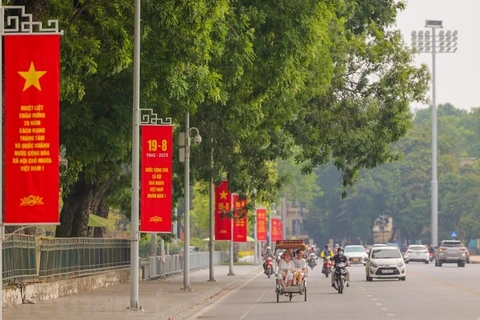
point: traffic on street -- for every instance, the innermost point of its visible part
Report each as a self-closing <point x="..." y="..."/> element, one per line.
<point x="428" y="293"/>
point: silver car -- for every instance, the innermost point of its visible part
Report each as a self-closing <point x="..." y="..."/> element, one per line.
<point x="451" y="251"/>
<point x="417" y="252"/>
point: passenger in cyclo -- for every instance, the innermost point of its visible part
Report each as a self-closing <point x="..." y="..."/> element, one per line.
<point x="301" y="268"/>
<point x="286" y="269"/>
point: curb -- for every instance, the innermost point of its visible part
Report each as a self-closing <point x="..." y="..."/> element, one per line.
<point x="173" y="311"/>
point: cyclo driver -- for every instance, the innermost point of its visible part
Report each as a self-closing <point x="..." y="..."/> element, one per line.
<point x="339" y="258"/>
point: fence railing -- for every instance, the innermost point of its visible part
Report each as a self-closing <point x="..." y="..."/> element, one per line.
<point x="80" y="256"/>
<point x="30" y="258"/>
<point x="169" y="264"/>
<point x="19" y="258"/>
<point x="34" y="258"/>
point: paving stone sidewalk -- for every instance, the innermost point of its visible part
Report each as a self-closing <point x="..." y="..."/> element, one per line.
<point x="160" y="299"/>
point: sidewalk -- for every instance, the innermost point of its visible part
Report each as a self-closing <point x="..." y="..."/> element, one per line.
<point x="160" y="299"/>
<point x="474" y="259"/>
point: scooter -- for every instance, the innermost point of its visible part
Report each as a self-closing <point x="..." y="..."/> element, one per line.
<point x="312" y="260"/>
<point x="269" y="266"/>
<point x="327" y="267"/>
<point x="340" y="277"/>
<point x="432" y="257"/>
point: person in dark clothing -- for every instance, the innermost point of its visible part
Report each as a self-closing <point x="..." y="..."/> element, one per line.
<point x="338" y="258"/>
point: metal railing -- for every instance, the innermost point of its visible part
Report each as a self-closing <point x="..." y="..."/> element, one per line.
<point x="30" y="258"/>
<point x="19" y="258"/>
<point x="80" y="256"/>
<point x="170" y="264"/>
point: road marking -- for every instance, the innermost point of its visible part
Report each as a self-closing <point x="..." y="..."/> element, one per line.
<point x="215" y="302"/>
<point x="390" y="314"/>
<point x="454" y="286"/>
<point x="370" y="295"/>
<point x="378" y="304"/>
<point x="384" y="309"/>
<point x="252" y="305"/>
<point x="374" y="299"/>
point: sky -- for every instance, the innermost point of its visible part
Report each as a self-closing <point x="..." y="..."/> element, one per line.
<point x="457" y="74"/>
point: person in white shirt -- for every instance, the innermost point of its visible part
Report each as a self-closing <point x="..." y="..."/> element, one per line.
<point x="300" y="268"/>
<point x="286" y="268"/>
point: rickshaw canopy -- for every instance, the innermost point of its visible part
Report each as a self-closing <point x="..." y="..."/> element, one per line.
<point x="290" y="244"/>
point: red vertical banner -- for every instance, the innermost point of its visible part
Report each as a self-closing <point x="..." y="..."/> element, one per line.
<point x="275" y="229"/>
<point x="223" y="223"/>
<point x="261" y="224"/>
<point x="156" y="178"/>
<point x="32" y="136"/>
<point x="240" y="225"/>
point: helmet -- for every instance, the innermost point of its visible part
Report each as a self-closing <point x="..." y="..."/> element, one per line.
<point x="336" y="245"/>
<point x="340" y="249"/>
<point x="268" y="248"/>
<point x="327" y="246"/>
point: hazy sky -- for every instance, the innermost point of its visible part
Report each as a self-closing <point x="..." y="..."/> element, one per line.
<point x="458" y="73"/>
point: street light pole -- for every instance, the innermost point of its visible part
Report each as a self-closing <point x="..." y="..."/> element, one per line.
<point x="135" y="215"/>
<point x="255" y="252"/>
<point x="212" y="226"/>
<point x="186" y="214"/>
<point x="272" y="211"/>
<point x="230" y="265"/>
<point x="447" y="44"/>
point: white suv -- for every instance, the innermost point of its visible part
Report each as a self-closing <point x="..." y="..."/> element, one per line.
<point x="385" y="262"/>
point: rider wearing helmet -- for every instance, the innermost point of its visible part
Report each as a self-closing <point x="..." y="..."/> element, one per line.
<point x="326" y="252"/>
<point x="268" y="253"/>
<point x="338" y="258"/>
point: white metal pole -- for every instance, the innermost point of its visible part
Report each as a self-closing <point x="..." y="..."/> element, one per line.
<point x="212" y="226"/>
<point x="255" y="253"/>
<point x="284" y="217"/>
<point x="134" y="233"/>
<point x="186" y="215"/>
<point x="434" y="149"/>
<point x="270" y="229"/>
<point x="230" y="265"/>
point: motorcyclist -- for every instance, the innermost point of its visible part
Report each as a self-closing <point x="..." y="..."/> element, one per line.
<point x="339" y="258"/>
<point x="326" y="253"/>
<point x="431" y="249"/>
<point x="268" y="253"/>
<point x="335" y="249"/>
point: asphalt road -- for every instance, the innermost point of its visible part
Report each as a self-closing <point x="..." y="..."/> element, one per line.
<point x="430" y="292"/>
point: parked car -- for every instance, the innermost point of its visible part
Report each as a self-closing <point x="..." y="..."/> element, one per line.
<point x="376" y="245"/>
<point x="191" y="249"/>
<point x="385" y="262"/>
<point x="451" y="251"/>
<point x="355" y="254"/>
<point x="417" y="252"/>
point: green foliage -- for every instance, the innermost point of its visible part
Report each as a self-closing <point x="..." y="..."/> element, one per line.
<point x="401" y="190"/>
<point x="332" y="78"/>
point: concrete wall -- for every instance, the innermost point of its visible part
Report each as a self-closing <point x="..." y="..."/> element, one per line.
<point x="30" y="293"/>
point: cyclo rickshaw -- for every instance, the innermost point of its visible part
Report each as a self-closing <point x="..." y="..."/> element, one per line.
<point x="289" y="291"/>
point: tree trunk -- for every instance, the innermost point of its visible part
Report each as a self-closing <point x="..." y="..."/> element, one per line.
<point x="78" y="200"/>
<point x="102" y="212"/>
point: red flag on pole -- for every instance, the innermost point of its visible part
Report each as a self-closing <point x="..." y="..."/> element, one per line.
<point x="156" y="172"/>
<point x="32" y="117"/>
<point x="240" y="226"/>
<point x="223" y="227"/>
<point x="261" y="224"/>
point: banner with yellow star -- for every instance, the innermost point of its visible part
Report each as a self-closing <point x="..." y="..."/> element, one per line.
<point x="223" y="221"/>
<point x="156" y="177"/>
<point x="32" y="118"/>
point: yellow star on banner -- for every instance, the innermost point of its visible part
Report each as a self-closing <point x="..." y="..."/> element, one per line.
<point x="223" y="195"/>
<point x="32" y="77"/>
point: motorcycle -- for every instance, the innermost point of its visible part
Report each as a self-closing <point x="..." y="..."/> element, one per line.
<point x="327" y="267"/>
<point x="432" y="257"/>
<point x="312" y="260"/>
<point x="340" y="277"/>
<point x="269" y="266"/>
